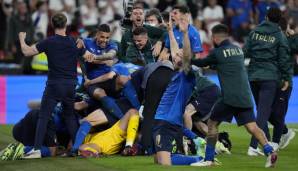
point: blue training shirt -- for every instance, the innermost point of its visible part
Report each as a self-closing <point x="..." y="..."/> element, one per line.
<point x="174" y="100"/>
<point x="194" y="37"/>
<point x="96" y="70"/>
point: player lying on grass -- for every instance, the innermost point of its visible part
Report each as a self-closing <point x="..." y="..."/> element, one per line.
<point x="99" y="118"/>
<point x="236" y="101"/>
<point x="110" y="141"/>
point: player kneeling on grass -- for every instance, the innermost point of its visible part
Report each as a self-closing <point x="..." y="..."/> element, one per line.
<point x="168" y="127"/>
<point x="110" y="141"/>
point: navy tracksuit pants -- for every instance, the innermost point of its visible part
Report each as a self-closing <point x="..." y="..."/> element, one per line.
<point x="264" y="95"/>
<point x="57" y="91"/>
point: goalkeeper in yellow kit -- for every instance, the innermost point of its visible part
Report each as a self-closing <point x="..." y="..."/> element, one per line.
<point x="111" y="140"/>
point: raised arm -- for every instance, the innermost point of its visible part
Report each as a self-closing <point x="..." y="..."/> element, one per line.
<point x="26" y="49"/>
<point x="187" y="54"/>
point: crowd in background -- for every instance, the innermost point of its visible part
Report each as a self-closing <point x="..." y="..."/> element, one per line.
<point x="33" y="17"/>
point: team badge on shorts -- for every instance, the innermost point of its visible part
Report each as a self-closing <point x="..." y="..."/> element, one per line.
<point x="157" y="141"/>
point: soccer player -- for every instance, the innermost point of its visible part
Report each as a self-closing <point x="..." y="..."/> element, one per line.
<point x="100" y="80"/>
<point x="194" y="36"/>
<point x="268" y="50"/>
<point x="110" y="141"/>
<point x="98" y="117"/>
<point x="62" y="53"/>
<point x="168" y="126"/>
<point x="236" y="99"/>
<point x="137" y="18"/>
<point x="204" y="97"/>
<point x="140" y="52"/>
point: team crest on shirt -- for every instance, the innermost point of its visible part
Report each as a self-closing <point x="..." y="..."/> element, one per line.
<point x="92" y="49"/>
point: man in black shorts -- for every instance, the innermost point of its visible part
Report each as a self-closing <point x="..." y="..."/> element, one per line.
<point x="205" y="94"/>
<point x="236" y="100"/>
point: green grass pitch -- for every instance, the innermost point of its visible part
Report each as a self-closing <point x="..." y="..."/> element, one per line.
<point x="238" y="161"/>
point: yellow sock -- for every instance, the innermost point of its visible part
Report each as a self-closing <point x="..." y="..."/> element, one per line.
<point x="132" y="129"/>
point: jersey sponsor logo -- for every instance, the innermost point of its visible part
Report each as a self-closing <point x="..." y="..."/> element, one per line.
<point x="263" y="38"/>
<point x="232" y="52"/>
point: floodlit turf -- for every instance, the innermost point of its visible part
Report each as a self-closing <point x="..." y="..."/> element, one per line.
<point x="238" y="161"/>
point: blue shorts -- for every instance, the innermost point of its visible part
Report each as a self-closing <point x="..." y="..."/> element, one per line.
<point x="222" y="112"/>
<point x="167" y="137"/>
<point x="205" y="101"/>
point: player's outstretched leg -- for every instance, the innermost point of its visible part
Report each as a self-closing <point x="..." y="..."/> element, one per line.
<point x="254" y="130"/>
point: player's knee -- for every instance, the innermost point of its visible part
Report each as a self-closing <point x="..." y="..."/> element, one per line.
<point x="190" y="109"/>
<point x="164" y="161"/>
<point x="133" y="112"/>
<point x="187" y="114"/>
<point x="80" y="105"/>
<point x="111" y="75"/>
<point x="99" y="93"/>
<point x="122" y="80"/>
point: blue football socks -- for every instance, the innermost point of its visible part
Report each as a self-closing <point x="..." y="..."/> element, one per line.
<point x="81" y="134"/>
<point x="131" y="94"/>
<point x="189" y="134"/>
<point x="179" y="159"/>
<point x="209" y="153"/>
<point x="267" y="149"/>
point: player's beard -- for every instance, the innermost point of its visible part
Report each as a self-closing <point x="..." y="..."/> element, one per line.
<point x="215" y="45"/>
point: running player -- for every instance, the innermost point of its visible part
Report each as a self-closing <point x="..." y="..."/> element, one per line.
<point x="236" y="95"/>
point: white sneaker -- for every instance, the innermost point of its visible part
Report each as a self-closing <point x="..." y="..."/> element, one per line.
<point x="254" y="152"/>
<point x="271" y="160"/>
<point x="286" y="138"/>
<point x="202" y="163"/>
<point x="33" y="154"/>
<point x="221" y="149"/>
<point x="274" y="145"/>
